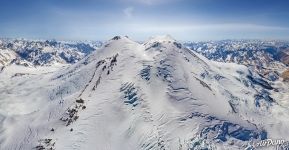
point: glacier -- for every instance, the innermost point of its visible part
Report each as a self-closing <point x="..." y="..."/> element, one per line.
<point x="158" y="94"/>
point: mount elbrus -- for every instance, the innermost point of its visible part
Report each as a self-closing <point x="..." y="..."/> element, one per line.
<point x="158" y="94"/>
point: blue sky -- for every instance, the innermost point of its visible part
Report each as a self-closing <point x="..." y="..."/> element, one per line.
<point x="183" y="19"/>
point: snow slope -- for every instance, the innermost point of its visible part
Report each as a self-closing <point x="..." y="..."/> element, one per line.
<point x="126" y="95"/>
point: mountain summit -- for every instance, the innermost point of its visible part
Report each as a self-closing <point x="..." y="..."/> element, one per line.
<point x="126" y="95"/>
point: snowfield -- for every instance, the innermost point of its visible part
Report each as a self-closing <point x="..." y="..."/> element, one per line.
<point x="130" y="96"/>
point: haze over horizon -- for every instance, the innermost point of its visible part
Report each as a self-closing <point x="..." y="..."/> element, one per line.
<point x="183" y="19"/>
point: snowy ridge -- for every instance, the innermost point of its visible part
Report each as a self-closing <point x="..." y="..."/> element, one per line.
<point x="126" y="95"/>
<point x="268" y="58"/>
<point x="39" y="53"/>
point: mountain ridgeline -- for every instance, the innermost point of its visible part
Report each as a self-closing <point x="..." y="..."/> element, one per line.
<point x="158" y="94"/>
<point x="43" y="52"/>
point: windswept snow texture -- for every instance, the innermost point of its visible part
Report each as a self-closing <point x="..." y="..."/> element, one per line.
<point x="130" y="96"/>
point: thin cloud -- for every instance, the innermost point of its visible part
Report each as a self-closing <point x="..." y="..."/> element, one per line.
<point x="199" y="32"/>
<point x="151" y="2"/>
<point x="128" y="12"/>
<point x="217" y="27"/>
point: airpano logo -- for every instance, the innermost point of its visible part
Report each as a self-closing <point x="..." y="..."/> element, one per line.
<point x="278" y="144"/>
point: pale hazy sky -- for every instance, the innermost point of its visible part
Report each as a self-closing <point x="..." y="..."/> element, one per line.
<point x="139" y="19"/>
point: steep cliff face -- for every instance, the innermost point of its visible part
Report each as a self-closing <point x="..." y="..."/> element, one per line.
<point x="285" y="75"/>
<point x="283" y="56"/>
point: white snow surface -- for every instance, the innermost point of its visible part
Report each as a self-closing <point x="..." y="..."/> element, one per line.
<point x="155" y="95"/>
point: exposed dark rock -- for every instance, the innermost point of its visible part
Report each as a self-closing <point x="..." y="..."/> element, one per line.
<point x="80" y="101"/>
<point x="261" y="82"/>
<point x="178" y="45"/>
<point x="116" y="38"/>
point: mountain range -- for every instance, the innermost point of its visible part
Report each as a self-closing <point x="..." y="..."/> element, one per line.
<point x="157" y="94"/>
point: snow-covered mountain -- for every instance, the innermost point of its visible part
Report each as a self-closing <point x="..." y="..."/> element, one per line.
<point x="268" y="58"/>
<point x="126" y="95"/>
<point x="43" y="52"/>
